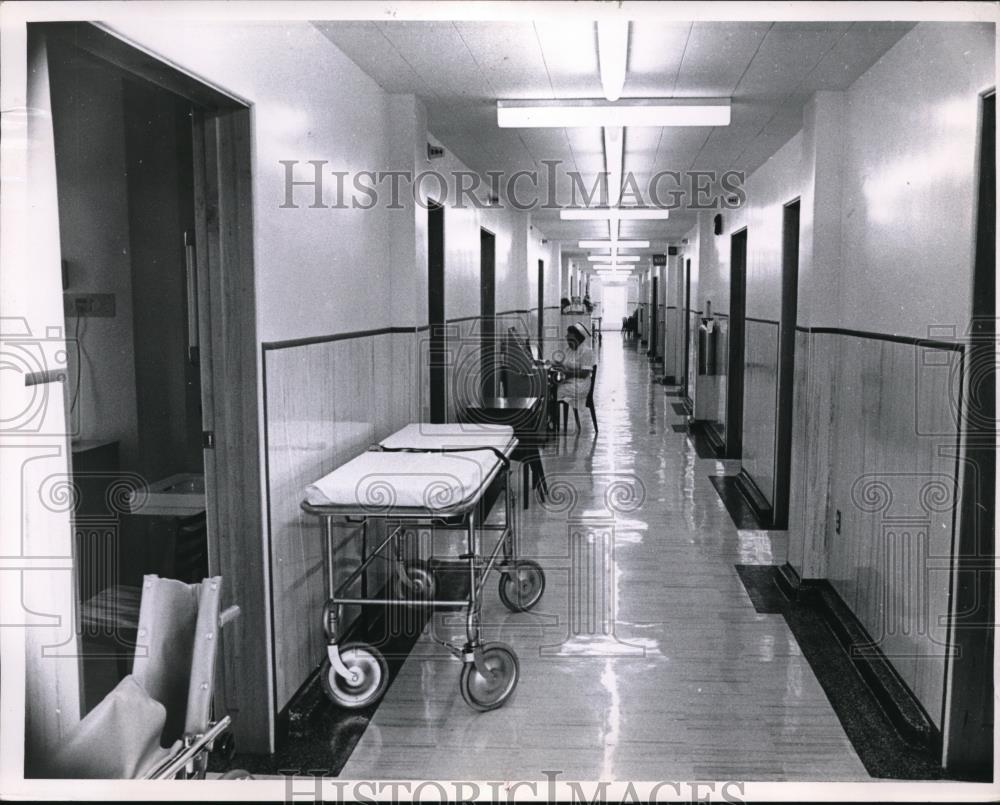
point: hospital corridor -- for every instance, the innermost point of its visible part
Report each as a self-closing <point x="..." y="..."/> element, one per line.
<point x="498" y="401"/>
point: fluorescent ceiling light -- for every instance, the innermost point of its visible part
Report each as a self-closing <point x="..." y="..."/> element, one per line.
<point x="614" y="244"/>
<point x="621" y="258"/>
<point x="612" y="54"/>
<point x="633" y="112"/>
<point x="614" y="160"/>
<point x="614" y="214"/>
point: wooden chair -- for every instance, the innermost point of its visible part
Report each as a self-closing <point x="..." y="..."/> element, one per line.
<point x="589" y="403"/>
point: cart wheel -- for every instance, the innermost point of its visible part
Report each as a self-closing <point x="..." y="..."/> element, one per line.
<point x="523" y="588"/>
<point x="488" y="693"/>
<point x="236" y="774"/>
<point x="371" y="682"/>
<point x="421" y="582"/>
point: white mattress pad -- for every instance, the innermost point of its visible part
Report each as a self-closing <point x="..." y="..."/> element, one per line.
<point x="427" y="436"/>
<point x="382" y="481"/>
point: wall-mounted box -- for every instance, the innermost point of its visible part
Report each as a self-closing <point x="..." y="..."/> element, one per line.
<point x="101" y="305"/>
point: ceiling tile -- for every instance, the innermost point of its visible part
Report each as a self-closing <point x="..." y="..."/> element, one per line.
<point x="716" y="57"/>
<point x="654" y="57"/>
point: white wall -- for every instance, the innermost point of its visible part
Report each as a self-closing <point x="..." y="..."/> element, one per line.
<point x="909" y="165"/>
<point x="94" y="237"/>
<point x="886" y="172"/>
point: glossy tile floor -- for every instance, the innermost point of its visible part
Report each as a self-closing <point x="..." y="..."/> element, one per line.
<point x="645" y="659"/>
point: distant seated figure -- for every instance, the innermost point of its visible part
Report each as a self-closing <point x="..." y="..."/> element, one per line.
<point x="576" y="363"/>
<point x="587" y="304"/>
<point x="563" y="304"/>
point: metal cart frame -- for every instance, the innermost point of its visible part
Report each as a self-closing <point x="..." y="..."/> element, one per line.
<point x="356" y="675"/>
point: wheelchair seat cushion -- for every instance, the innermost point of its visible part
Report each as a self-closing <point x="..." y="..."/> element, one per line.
<point x="119" y="739"/>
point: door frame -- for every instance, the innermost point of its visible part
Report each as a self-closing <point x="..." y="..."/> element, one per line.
<point x="224" y="253"/>
<point x="437" y="323"/>
<point x="737" y="334"/>
<point x="785" y="387"/>
<point x="488" y="368"/>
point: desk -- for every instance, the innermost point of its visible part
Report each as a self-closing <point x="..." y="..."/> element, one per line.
<point x="528" y="417"/>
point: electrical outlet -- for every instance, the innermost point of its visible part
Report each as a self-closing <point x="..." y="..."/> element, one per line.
<point x="101" y="305"/>
<point x="837" y="523"/>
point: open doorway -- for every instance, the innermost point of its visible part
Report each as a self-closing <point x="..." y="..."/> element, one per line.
<point x="489" y="372"/>
<point x="125" y="175"/>
<point x="153" y="184"/>
<point x="613" y="305"/>
<point x="435" y="311"/>
<point x="686" y="384"/>
<point x="786" y="364"/>
<point x="737" y="325"/>
<point x="654" y="316"/>
<point x="969" y="709"/>
<point x="541" y="308"/>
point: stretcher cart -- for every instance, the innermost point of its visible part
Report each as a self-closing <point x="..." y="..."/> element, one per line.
<point x="444" y="477"/>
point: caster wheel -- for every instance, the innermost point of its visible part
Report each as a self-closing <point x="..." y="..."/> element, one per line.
<point x="370" y="680"/>
<point x="522" y="588"/>
<point x="488" y="693"/>
<point x="236" y="774"/>
<point x="421" y="582"/>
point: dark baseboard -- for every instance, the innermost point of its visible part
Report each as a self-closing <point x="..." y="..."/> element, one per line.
<point x="900" y="704"/>
<point x="714" y="438"/>
<point x="879" y="725"/>
<point x="755" y="498"/>
<point x="698" y="433"/>
<point x="743" y="516"/>
<point x="788" y="580"/>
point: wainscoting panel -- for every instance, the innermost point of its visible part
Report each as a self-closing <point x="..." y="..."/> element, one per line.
<point x="893" y="486"/>
<point x="322" y="409"/>
<point x="673" y="343"/>
<point x="760" y="395"/>
<point x="812" y="444"/>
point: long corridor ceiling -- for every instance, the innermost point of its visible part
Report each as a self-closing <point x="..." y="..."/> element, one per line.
<point x="461" y="69"/>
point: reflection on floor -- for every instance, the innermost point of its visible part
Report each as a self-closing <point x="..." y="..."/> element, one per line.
<point x="881" y="748"/>
<point x="646" y="659"/>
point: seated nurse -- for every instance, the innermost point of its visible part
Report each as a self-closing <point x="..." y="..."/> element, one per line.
<point x="576" y="364"/>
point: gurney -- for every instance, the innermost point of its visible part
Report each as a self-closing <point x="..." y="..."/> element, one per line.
<point x="156" y="723"/>
<point x="439" y="476"/>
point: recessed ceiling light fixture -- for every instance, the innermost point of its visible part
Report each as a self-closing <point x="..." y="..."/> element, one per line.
<point x="612" y="55"/>
<point x="630" y="112"/>
<point x="614" y="161"/>
<point x="614" y="244"/>
<point x="621" y="258"/>
<point x="614" y="214"/>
